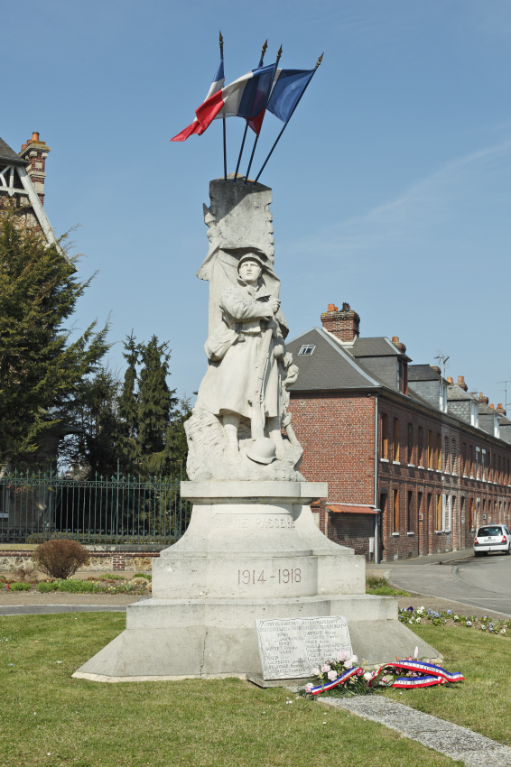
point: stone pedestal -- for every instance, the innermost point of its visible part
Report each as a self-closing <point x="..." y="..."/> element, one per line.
<point x="252" y="550"/>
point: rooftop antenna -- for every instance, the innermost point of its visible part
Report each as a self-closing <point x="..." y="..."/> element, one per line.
<point x="505" y="392"/>
<point x="442" y="360"/>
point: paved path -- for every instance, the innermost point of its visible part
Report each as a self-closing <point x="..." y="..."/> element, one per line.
<point x="458" y="743"/>
<point x="484" y="584"/>
<point x="52" y="609"/>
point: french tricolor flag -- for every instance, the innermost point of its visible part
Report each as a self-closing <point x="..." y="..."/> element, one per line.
<point x="215" y="87"/>
<point x="245" y="97"/>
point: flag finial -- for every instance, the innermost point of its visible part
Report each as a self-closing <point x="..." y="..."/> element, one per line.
<point x="279" y="54"/>
<point x="319" y="61"/>
<point x="265" y="46"/>
<point x="221" y="41"/>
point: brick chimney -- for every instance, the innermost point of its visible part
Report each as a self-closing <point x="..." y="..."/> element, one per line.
<point x="462" y="384"/>
<point x="36" y="152"/>
<point x="398" y="344"/>
<point x="483" y="399"/>
<point x="500" y="409"/>
<point x="343" y="324"/>
<point x="449" y="380"/>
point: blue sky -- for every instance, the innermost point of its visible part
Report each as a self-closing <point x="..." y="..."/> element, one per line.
<point x="391" y="185"/>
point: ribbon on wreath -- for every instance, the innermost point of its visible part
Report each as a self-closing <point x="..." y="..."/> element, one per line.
<point x="430" y="674"/>
<point x="340" y="680"/>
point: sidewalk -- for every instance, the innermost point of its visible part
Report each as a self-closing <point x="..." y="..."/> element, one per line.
<point x="431" y="559"/>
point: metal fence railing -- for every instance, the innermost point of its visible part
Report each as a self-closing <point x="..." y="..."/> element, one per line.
<point x="119" y="510"/>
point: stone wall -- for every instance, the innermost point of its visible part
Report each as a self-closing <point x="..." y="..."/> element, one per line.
<point x="102" y="558"/>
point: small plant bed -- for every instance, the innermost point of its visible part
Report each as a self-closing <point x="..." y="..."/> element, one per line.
<point x="414" y="616"/>
<point x="108" y="577"/>
<point x="380" y="587"/>
<point x="76" y="586"/>
<point x="58" y="720"/>
<point x="147" y="576"/>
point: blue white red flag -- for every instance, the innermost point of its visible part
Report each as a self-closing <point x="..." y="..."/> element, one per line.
<point x="216" y="85"/>
<point x="245" y="97"/>
<point x="287" y="90"/>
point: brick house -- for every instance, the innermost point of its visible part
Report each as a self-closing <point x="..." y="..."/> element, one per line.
<point x="22" y="177"/>
<point x="414" y="463"/>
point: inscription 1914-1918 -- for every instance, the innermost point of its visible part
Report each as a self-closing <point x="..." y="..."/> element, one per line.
<point x="285" y="576"/>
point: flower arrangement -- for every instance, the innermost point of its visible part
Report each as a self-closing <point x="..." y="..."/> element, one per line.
<point x="419" y="615"/>
<point x="359" y="680"/>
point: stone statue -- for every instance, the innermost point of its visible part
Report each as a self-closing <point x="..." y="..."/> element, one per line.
<point x="236" y="430"/>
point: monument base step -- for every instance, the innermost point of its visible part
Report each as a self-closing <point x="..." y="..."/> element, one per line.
<point x="177" y="639"/>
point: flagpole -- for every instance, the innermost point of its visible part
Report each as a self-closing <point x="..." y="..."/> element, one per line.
<point x="221" y="43"/>
<point x="246" y="126"/>
<point x="290" y="116"/>
<point x="279" y="54"/>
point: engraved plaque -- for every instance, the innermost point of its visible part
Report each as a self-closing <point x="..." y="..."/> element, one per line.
<point x="291" y="648"/>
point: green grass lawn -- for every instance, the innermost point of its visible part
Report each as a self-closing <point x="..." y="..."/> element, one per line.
<point x="483" y="701"/>
<point x="50" y="719"/>
<point x="380" y="587"/>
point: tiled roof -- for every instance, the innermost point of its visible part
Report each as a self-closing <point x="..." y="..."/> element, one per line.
<point x="9" y="155"/>
<point x="457" y="393"/>
<point x="329" y="367"/>
<point x="422" y="373"/>
<point x="374" y="347"/>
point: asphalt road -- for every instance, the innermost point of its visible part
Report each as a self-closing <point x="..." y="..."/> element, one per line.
<point x="484" y="583"/>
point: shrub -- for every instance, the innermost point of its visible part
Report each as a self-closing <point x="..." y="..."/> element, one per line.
<point x="44" y="588"/>
<point x="20" y="587"/>
<point x="148" y="576"/>
<point x="26" y="573"/>
<point x="60" y="558"/>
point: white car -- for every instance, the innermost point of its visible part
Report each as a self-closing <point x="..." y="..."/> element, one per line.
<point x="492" y="538"/>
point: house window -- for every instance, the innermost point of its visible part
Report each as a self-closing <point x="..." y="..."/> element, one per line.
<point x="453" y="456"/>
<point x="446" y="454"/>
<point x="483" y="453"/>
<point x="438" y="521"/>
<point x="403" y="377"/>
<point x="410" y="443"/>
<point x="430" y="450"/>
<point x="420" y="439"/>
<point x="396" y="439"/>
<point x="463" y="467"/>
<point x="451" y="501"/>
<point x="438" y="452"/>
<point x="428" y="510"/>
<point x="409" y="519"/>
<point x="306" y="350"/>
<point x="384" y="447"/>
<point x="478" y="450"/>
<point x="395" y="513"/>
<point x="499" y="478"/>
<point x="471" y="467"/>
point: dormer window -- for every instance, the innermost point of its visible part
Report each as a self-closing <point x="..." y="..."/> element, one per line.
<point x="306" y="350"/>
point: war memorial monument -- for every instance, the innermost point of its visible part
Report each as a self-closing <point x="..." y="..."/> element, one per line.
<point x="252" y="554"/>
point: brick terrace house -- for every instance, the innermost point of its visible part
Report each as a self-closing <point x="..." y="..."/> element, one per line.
<point x="414" y="463"/>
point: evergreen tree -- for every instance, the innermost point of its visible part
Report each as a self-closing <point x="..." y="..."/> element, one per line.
<point x="96" y="446"/>
<point x="40" y="369"/>
<point x="128" y="406"/>
<point x="155" y="399"/>
<point x="128" y="401"/>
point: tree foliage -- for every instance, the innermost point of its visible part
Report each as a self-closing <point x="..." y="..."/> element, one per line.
<point x="40" y="367"/>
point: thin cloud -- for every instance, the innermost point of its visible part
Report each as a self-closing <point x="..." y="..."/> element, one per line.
<point x="423" y="208"/>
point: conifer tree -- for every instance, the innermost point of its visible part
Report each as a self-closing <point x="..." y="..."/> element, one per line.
<point x="155" y="399"/>
<point x="40" y="369"/>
